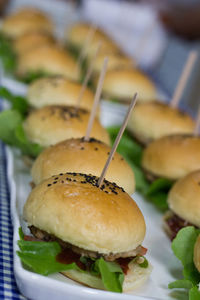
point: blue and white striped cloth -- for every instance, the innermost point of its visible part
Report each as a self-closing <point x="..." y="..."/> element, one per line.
<point x="8" y="287"/>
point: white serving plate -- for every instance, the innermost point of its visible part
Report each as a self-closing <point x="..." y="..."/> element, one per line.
<point x="166" y="268"/>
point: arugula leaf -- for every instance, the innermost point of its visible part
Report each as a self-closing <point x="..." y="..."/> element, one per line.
<point x="158" y="191"/>
<point x="180" y="284"/>
<point x="7" y="54"/>
<point x="111" y="275"/>
<point x="9" y="120"/>
<point x="19" y="103"/>
<point x="183" y="248"/>
<point x="12" y="133"/>
<point x="40" y="257"/>
<point x="127" y="146"/>
<point x="34" y="75"/>
<point x="194" y="294"/>
<point x="31" y="149"/>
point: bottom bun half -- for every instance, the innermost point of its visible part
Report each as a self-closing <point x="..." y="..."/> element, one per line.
<point x="135" y="277"/>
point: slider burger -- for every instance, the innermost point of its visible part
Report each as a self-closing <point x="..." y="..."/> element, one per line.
<point x="197" y="253"/>
<point x="59" y="91"/>
<point x="116" y="61"/>
<point x="26" y="20"/>
<point x="31" y="40"/>
<point x="152" y="120"/>
<point x="88" y="157"/>
<point x="184" y="204"/>
<point x="93" y="226"/>
<point x="50" y="60"/>
<point x="52" y="124"/>
<point x="121" y="84"/>
<point x="171" y="157"/>
<point x="78" y="34"/>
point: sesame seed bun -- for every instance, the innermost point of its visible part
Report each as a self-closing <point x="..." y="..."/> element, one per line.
<point x="52" y="60"/>
<point x="172" y="157"/>
<point x="26" y="20"/>
<point x="78" y="33"/>
<point x="184" y="198"/>
<point x="153" y="120"/>
<point x="104" y="220"/>
<point x="122" y="84"/>
<point x="116" y="61"/>
<point x="135" y="277"/>
<point x="77" y="155"/>
<point x="197" y="253"/>
<point x="59" y="91"/>
<point x="31" y="40"/>
<point x="52" y="124"/>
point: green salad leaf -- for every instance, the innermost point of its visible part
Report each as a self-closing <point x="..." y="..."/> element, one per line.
<point x="34" y="75"/>
<point x="40" y="257"/>
<point x="183" y="248"/>
<point x="111" y="274"/>
<point x="194" y="293"/>
<point x="12" y="133"/>
<point x="7" y="54"/>
<point x="19" y="103"/>
<point x="158" y="191"/>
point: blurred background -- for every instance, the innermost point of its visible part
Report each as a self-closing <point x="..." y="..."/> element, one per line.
<point x="172" y="28"/>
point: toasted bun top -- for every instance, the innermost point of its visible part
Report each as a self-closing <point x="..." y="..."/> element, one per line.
<point x="78" y="34"/>
<point x="58" y="90"/>
<point x="52" y="60"/>
<point x="73" y="208"/>
<point x="52" y="124"/>
<point x="153" y="120"/>
<point x="26" y="20"/>
<point x="184" y="198"/>
<point x="77" y="155"/>
<point x="122" y="84"/>
<point x="116" y="61"/>
<point x="31" y="40"/>
<point x="197" y="253"/>
<point x="172" y="156"/>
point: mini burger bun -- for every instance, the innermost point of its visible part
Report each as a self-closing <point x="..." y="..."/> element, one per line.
<point x="26" y="20"/>
<point x="31" y="40"/>
<point x="153" y="120"/>
<point x="52" y="60"/>
<point x="172" y="156"/>
<point x="184" y="198"/>
<point x="197" y="253"/>
<point x="76" y="155"/>
<point x="135" y="277"/>
<point x="55" y="123"/>
<point x="78" y="34"/>
<point x="123" y="84"/>
<point x="73" y="208"/>
<point x="58" y="90"/>
<point x="116" y="61"/>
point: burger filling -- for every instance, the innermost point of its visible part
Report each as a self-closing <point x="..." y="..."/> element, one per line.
<point x="71" y="253"/>
<point x="173" y="223"/>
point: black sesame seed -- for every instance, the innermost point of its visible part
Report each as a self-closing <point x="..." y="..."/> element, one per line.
<point x="49" y="184"/>
<point x="54" y="182"/>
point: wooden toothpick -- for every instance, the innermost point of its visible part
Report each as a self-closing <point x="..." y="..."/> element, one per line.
<point x="96" y="99"/>
<point x="117" y="140"/>
<point x="192" y="57"/>
<point x="86" y="44"/>
<point x="87" y="77"/>
<point x="197" y="125"/>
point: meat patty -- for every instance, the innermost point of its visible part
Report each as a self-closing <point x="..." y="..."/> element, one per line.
<point x="44" y="236"/>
